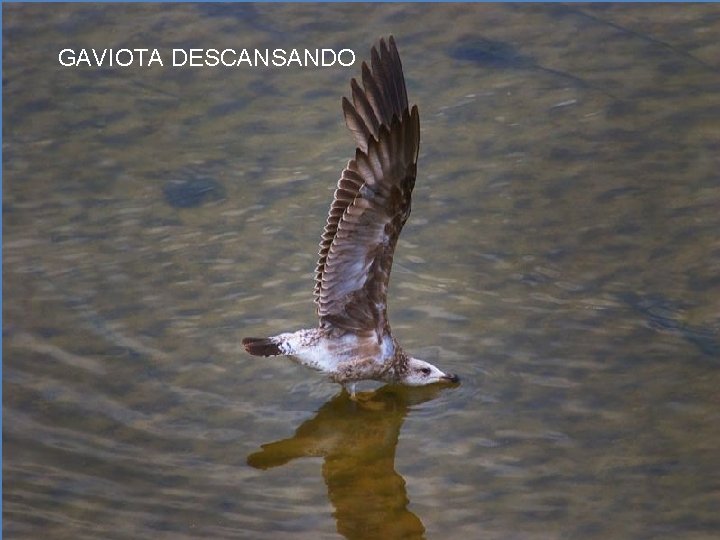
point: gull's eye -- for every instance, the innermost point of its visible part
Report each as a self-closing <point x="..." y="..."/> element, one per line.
<point x="425" y="371"/>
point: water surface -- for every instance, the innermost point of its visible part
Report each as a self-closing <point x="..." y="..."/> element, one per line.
<point x="562" y="257"/>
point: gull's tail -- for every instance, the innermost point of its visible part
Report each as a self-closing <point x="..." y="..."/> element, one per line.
<point x="261" y="346"/>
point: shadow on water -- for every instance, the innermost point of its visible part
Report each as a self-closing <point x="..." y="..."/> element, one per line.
<point x="665" y="316"/>
<point x="357" y="441"/>
<point x="488" y="53"/>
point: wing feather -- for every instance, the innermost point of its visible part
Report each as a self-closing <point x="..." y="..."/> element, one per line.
<point x="381" y="97"/>
<point x="372" y="199"/>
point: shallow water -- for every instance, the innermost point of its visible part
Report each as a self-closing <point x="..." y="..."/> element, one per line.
<point x="562" y="257"/>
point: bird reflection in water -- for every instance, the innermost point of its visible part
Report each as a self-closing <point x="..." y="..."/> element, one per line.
<point x="357" y="440"/>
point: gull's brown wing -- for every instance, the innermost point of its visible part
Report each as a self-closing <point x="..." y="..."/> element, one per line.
<point x="372" y="200"/>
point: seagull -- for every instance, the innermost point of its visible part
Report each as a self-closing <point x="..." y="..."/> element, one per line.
<point x="353" y="341"/>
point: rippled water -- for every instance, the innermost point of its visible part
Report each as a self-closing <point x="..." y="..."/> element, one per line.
<point x="562" y="257"/>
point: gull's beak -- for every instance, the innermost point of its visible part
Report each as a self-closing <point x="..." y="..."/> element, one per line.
<point x="451" y="378"/>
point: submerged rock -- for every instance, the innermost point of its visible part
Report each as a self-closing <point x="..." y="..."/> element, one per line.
<point x="193" y="192"/>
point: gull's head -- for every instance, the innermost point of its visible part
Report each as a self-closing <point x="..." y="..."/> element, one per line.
<point x="420" y="373"/>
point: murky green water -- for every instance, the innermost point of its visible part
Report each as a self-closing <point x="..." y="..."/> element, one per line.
<point x="563" y="257"/>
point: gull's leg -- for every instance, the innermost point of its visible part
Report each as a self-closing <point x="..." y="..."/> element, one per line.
<point x="350" y="390"/>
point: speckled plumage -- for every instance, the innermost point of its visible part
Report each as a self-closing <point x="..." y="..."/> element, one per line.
<point x="372" y="201"/>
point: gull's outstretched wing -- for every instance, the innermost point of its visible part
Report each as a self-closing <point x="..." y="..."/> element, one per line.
<point x="372" y="199"/>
